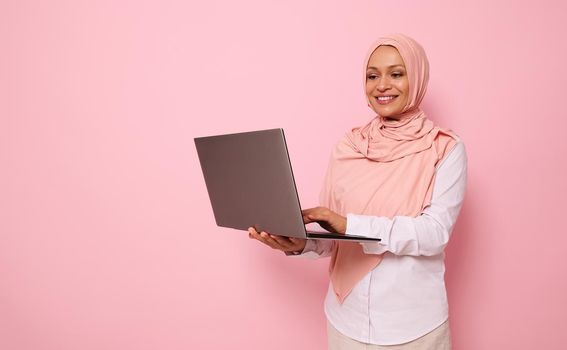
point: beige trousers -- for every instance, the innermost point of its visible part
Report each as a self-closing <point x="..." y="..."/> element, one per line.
<point x="437" y="339"/>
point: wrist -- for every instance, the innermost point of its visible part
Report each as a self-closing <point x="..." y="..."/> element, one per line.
<point x="293" y="252"/>
<point x="342" y="225"/>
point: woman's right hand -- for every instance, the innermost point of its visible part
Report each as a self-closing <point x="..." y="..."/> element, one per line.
<point x="285" y="244"/>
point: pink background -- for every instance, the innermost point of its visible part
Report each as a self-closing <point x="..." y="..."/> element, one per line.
<point x="107" y="239"/>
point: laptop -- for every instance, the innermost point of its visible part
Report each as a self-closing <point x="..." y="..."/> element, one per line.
<point x="250" y="184"/>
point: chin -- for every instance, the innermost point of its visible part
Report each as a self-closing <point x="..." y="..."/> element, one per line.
<point x="388" y="112"/>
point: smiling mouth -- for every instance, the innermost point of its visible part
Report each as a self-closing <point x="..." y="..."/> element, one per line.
<point x="384" y="100"/>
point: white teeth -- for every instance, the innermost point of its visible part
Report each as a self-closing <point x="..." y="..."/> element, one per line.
<point x="385" y="98"/>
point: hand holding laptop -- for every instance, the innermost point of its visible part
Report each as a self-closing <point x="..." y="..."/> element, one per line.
<point x="285" y="244"/>
<point x="325" y="217"/>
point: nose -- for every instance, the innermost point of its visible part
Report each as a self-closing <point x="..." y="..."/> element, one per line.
<point x="383" y="84"/>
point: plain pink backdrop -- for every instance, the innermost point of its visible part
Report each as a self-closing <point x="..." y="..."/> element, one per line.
<point x="107" y="239"/>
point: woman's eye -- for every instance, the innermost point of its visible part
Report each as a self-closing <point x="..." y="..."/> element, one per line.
<point x="371" y="77"/>
<point x="397" y="75"/>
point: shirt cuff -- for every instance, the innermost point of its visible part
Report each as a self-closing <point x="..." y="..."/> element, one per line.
<point x="372" y="227"/>
<point x="310" y="250"/>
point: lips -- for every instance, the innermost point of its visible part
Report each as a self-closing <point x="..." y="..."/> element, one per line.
<point x="384" y="100"/>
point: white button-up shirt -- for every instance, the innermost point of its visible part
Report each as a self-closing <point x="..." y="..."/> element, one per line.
<point x="404" y="297"/>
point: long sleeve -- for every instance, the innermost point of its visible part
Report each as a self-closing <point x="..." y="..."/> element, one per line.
<point x="429" y="233"/>
<point x="315" y="249"/>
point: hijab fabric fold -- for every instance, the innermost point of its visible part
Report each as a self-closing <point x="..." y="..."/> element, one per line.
<point x="384" y="168"/>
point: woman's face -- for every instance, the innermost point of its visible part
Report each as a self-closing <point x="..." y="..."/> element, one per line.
<point x="387" y="85"/>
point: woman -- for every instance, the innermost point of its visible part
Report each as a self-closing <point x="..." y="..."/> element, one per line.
<point x="401" y="179"/>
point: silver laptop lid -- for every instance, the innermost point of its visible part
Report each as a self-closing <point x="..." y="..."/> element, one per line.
<point x="250" y="181"/>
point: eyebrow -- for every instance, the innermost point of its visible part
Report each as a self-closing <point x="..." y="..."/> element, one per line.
<point x="392" y="66"/>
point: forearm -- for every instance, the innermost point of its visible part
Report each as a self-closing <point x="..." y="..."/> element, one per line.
<point x="402" y="235"/>
<point x="315" y="249"/>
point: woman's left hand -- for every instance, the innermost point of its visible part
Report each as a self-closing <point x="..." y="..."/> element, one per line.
<point x="325" y="217"/>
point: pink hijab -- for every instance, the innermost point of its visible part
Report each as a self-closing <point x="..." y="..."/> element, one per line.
<point x="385" y="168"/>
